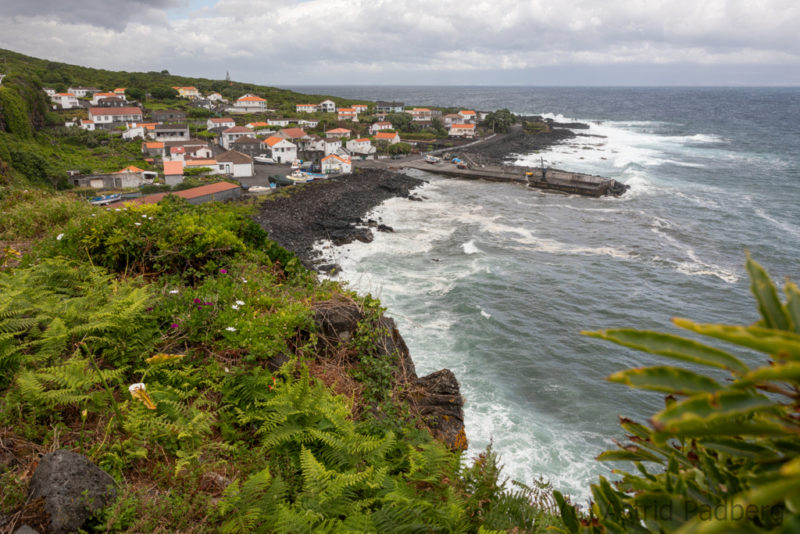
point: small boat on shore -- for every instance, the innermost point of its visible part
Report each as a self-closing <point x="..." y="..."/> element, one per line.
<point x="300" y="177"/>
<point x="432" y="159"/>
<point x="104" y="199"/>
<point x="263" y="159"/>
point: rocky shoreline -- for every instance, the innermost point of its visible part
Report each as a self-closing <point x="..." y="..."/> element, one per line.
<point x="332" y="210"/>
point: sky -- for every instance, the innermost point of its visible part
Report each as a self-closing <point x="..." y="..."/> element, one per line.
<point x="421" y="42"/>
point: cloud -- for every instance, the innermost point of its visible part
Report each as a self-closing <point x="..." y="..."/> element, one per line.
<point x="111" y="14"/>
<point x="316" y="41"/>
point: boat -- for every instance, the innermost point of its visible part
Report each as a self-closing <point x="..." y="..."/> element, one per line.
<point x="279" y="179"/>
<point x="300" y="177"/>
<point x="105" y="199"/>
<point x="432" y="159"/>
<point x="263" y="158"/>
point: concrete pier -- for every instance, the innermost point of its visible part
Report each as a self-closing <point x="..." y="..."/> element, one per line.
<point x="550" y="179"/>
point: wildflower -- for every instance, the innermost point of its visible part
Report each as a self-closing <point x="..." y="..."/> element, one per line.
<point x="137" y="224"/>
<point x="116" y="209"/>
<point x="173" y="292"/>
<point x="94" y="215"/>
<point x="223" y="271"/>
<point x="174" y="325"/>
<point x="244" y="280"/>
<point x="144" y="216"/>
<point x="139" y="392"/>
<point x="230" y="329"/>
<point x="209" y="303"/>
<point x="240" y="303"/>
<point x="198" y="301"/>
<point x="235" y="307"/>
<point x="227" y="370"/>
<point x="149" y="309"/>
<point x="60" y="237"/>
<point x="162" y="357"/>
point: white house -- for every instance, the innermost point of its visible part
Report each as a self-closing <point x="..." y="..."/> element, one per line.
<point x="99" y="96"/>
<point x="193" y="148"/>
<point x="47" y="90"/>
<point x="338" y="132"/>
<point x="250" y="104"/>
<point x="378" y="126"/>
<point x="309" y="123"/>
<point x="467" y="116"/>
<point x="451" y="119"/>
<point x="236" y="164"/>
<point x="327" y="106"/>
<point x="348" y="114"/>
<point x="232" y="134"/>
<point x="361" y="148"/>
<point x="388" y="137"/>
<point x="211" y="164"/>
<point x="305" y="108"/>
<point x="282" y="150"/>
<point x="111" y="116"/>
<point x="188" y="92"/>
<point x="81" y="92"/>
<point x="222" y="122"/>
<point x="65" y="100"/>
<point x="257" y="125"/>
<point x="279" y="122"/>
<point x="87" y="124"/>
<point x="462" y="130"/>
<point x="170" y="132"/>
<point x="420" y="114"/>
<point x="133" y="132"/>
<point x="173" y="172"/>
<point x="334" y="164"/>
<point x="215" y="97"/>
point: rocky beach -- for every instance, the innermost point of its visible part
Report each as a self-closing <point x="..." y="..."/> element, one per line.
<point x="332" y="210"/>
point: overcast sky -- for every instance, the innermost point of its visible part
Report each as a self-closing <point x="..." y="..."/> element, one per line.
<point x="421" y="42"/>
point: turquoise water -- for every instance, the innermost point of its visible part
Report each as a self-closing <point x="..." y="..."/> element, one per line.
<point x="496" y="282"/>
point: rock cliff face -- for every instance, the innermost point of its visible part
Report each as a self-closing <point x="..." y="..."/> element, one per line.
<point x="436" y="398"/>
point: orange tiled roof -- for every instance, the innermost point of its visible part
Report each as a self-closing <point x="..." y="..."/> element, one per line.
<point x="272" y="141"/>
<point x="131" y="168"/>
<point x="463" y="126"/>
<point x="194" y="192"/>
<point x="173" y="168"/>
<point x="385" y="135"/>
<point x="153" y="144"/>
<point x="201" y="162"/>
<point x="362" y="140"/>
<point x="337" y="157"/>
<point x="338" y="130"/>
<point x="251" y="99"/>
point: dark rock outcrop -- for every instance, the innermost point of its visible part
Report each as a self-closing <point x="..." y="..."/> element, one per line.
<point x="332" y="210"/>
<point x="436" y="398"/>
<point x="70" y="488"/>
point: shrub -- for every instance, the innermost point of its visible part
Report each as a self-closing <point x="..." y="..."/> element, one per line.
<point x="725" y="455"/>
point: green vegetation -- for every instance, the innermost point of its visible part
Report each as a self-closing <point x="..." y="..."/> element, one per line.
<point x="233" y="429"/>
<point x="500" y="120"/>
<point x="724" y="454"/>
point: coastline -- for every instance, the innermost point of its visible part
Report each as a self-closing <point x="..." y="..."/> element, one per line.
<point x="332" y="210"/>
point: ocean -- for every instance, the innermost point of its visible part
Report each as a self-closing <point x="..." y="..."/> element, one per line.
<point x="496" y="282"/>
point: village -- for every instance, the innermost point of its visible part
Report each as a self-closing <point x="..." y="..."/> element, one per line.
<point x="248" y="142"/>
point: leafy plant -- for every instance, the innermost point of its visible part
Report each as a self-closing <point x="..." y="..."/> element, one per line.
<point x="724" y="455"/>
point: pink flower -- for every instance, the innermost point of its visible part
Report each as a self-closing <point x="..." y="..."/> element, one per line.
<point x="198" y="301"/>
<point x="223" y="271"/>
<point x="174" y="325"/>
<point x="209" y="303"/>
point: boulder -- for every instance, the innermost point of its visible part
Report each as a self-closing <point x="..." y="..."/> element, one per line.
<point x="435" y="397"/>
<point x="71" y="488"/>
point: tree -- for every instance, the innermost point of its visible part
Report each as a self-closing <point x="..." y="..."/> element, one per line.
<point x="134" y="93"/>
<point x="438" y="127"/>
<point x="402" y="122"/>
<point x="163" y="93"/>
<point x="500" y="120"/>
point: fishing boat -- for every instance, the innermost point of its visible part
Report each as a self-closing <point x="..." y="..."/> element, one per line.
<point x="279" y="179"/>
<point x="299" y="177"/>
<point x="263" y="158"/>
<point x="432" y="159"/>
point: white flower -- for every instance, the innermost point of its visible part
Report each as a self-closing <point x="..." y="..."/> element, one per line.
<point x="173" y="292"/>
<point x="235" y="307"/>
<point x="240" y="303"/>
<point x="227" y="370"/>
<point x="137" y="224"/>
<point x="116" y="209"/>
<point x="94" y="215"/>
<point x="144" y="216"/>
<point x="230" y="329"/>
<point x="60" y="237"/>
<point x="149" y="218"/>
<point x="244" y="280"/>
<point x="134" y="387"/>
